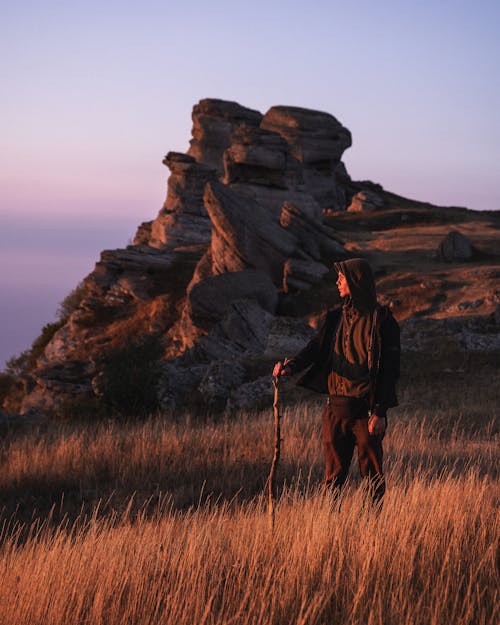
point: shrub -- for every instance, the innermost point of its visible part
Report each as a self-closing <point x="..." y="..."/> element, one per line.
<point x="129" y="377"/>
<point x="71" y="302"/>
<point x="18" y="365"/>
<point x="6" y="381"/>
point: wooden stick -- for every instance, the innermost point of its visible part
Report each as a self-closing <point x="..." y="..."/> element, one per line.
<point x="271" y="480"/>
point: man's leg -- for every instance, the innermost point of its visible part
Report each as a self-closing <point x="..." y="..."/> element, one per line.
<point x="338" y="445"/>
<point x="370" y="456"/>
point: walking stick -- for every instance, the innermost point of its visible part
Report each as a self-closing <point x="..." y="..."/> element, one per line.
<point x="271" y="480"/>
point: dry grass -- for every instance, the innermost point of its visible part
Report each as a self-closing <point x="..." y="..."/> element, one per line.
<point x="193" y="544"/>
<point x="428" y="558"/>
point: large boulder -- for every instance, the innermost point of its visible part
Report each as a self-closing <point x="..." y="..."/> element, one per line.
<point x="455" y="247"/>
<point x="317" y="140"/>
<point x="214" y="123"/>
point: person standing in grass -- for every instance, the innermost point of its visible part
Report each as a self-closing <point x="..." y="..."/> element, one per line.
<point x="354" y="359"/>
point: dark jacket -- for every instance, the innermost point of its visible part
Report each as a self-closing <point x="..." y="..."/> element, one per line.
<point x="383" y="360"/>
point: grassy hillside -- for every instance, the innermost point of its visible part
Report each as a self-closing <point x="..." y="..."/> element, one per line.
<point x="161" y="522"/>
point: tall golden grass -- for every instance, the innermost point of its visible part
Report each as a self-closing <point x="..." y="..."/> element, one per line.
<point x="193" y="545"/>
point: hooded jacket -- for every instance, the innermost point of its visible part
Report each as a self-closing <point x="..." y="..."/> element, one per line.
<point x="383" y="349"/>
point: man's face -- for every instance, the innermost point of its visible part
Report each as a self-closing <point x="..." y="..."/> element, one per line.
<point x="342" y="285"/>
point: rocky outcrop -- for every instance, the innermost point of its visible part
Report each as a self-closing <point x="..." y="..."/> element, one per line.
<point x="219" y="380"/>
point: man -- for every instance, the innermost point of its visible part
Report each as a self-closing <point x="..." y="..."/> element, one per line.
<point x="354" y="359"/>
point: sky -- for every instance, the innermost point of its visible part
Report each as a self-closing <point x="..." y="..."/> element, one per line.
<point x="94" y="94"/>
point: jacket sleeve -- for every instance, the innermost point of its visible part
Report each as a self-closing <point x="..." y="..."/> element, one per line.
<point x="388" y="374"/>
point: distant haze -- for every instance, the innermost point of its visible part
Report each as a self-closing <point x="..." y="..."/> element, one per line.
<point x="94" y="94"/>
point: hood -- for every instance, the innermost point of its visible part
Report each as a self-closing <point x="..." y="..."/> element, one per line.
<point x="359" y="277"/>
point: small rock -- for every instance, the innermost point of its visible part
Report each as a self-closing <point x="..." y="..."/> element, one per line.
<point x="365" y="201"/>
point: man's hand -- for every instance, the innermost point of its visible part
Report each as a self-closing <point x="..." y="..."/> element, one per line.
<point x="280" y="369"/>
<point x="376" y="425"/>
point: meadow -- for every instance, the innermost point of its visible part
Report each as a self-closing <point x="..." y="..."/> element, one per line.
<point x="165" y="520"/>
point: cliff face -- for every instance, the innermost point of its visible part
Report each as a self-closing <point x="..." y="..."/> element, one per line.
<point x="225" y="278"/>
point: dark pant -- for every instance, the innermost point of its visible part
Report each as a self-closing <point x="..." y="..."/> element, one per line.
<point x="345" y="426"/>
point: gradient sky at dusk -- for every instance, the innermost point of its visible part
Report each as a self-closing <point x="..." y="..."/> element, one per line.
<point x="95" y="93"/>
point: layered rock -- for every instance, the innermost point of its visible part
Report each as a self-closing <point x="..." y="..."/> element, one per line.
<point x="315" y="239"/>
<point x="260" y="157"/>
<point x="317" y="140"/>
<point x="258" y="164"/>
<point x="183" y="220"/>
<point x="214" y="123"/>
<point x="245" y="236"/>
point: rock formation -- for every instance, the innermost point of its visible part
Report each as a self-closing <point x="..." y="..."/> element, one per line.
<point x="241" y="226"/>
<point x="202" y="293"/>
